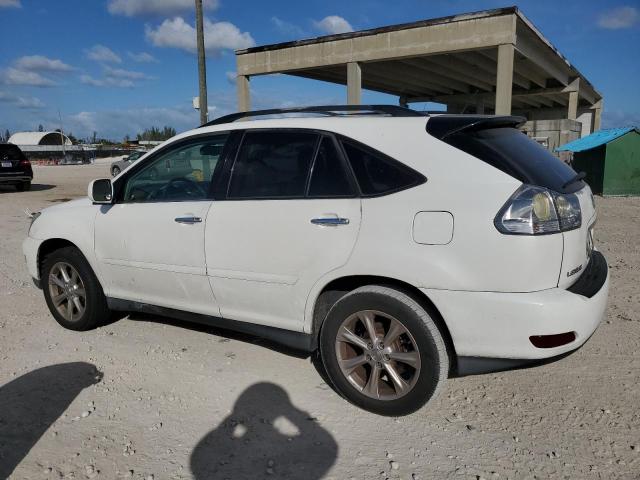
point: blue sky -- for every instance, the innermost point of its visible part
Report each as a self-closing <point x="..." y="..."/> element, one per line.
<point x="119" y="66"/>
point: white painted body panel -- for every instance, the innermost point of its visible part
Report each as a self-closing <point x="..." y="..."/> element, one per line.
<point x="147" y="257"/>
<point x="498" y="325"/>
<point x="264" y="262"/>
<point x="263" y="256"/>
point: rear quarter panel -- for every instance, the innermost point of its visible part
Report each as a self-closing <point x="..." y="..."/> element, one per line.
<point x="478" y="258"/>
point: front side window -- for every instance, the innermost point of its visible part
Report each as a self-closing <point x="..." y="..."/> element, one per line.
<point x="182" y="173"/>
<point x="272" y="164"/>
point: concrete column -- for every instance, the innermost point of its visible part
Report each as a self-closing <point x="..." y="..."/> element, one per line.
<point x="504" y="79"/>
<point x="572" y="113"/>
<point x="597" y="115"/>
<point x="244" y="95"/>
<point x="354" y="83"/>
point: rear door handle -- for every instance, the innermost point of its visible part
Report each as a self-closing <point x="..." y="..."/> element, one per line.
<point x="188" y="220"/>
<point x="330" y="221"/>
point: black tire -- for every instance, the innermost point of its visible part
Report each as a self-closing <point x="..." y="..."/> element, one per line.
<point x="23" y="187"/>
<point x="115" y="171"/>
<point x="96" y="312"/>
<point x="434" y="359"/>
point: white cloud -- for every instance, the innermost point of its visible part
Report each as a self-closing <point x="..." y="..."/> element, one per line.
<point x="333" y="24"/>
<point x="27" y="103"/>
<point x="176" y="33"/>
<point x="107" y="82"/>
<point x="121" y="73"/>
<point x="231" y="77"/>
<point x="42" y="64"/>
<point x="15" y="76"/>
<point x="618" y="18"/>
<point x="100" y="53"/>
<point x="10" y="4"/>
<point x="286" y="27"/>
<point x="115" y="124"/>
<point x="142" y="57"/>
<point x="131" y="8"/>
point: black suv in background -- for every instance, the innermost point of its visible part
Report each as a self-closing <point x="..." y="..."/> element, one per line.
<point x="15" y="168"/>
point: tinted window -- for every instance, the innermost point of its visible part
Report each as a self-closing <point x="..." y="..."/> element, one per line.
<point x="272" y="165"/>
<point x="329" y="178"/>
<point x="376" y="173"/>
<point x="181" y="173"/>
<point x="11" y="152"/>
<point x="511" y="151"/>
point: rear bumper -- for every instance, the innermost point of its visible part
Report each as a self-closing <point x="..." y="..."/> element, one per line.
<point x="13" y="179"/>
<point x="498" y="325"/>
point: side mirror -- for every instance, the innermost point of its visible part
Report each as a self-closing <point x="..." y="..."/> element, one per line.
<point x="101" y="191"/>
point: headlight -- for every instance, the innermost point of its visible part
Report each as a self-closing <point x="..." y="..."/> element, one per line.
<point x="536" y="211"/>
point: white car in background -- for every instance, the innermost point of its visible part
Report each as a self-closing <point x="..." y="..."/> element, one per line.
<point x="400" y="248"/>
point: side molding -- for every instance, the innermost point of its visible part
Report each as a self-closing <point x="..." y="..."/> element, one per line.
<point x="302" y="342"/>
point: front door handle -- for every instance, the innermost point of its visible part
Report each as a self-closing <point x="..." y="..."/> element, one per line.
<point x="330" y="221"/>
<point x="188" y="220"/>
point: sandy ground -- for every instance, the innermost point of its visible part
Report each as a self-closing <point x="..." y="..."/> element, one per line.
<point x="152" y="398"/>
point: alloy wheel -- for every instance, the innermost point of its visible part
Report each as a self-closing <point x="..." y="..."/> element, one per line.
<point x="67" y="291"/>
<point x="378" y="355"/>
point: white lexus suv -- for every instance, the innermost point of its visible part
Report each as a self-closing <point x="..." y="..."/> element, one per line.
<point x="397" y="248"/>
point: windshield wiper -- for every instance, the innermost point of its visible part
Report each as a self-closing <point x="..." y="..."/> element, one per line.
<point x="576" y="178"/>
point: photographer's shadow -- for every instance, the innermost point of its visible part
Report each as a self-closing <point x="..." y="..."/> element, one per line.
<point x="265" y="436"/>
<point x="31" y="403"/>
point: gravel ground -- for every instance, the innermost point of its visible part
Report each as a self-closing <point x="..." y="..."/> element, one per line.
<point x="151" y="398"/>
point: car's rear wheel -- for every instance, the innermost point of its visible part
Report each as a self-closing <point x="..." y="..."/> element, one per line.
<point x="23" y="187"/>
<point x="72" y="291"/>
<point x="382" y="351"/>
<point x="115" y="171"/>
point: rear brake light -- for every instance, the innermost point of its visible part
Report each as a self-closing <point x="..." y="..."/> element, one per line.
<point x="25" y="162"/>
<point x="551" y="341"/>
<point x="537" y="211"/>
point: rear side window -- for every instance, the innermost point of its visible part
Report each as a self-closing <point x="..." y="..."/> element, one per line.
<point x="378" y="174"/>
<point x="272" y="165"/>
<point x="329" y="177"/>
<point x="510" y="150"/>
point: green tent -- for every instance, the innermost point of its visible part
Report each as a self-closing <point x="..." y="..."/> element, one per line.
<point x="611" y="160"/>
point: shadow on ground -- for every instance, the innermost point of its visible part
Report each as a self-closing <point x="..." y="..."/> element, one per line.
<point x="265" y="436"/>
<point x="30" y="404"/>
<point x="35" y="187"/>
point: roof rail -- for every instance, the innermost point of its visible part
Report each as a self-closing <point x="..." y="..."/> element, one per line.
<point x="330" y="110"/>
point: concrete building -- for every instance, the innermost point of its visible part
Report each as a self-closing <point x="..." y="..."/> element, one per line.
<point x="494" y="61"/>
<point x="39" y="139"/>
<point x="51" y="147"/>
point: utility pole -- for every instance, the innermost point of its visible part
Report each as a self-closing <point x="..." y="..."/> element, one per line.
<point x="202" y="66"/>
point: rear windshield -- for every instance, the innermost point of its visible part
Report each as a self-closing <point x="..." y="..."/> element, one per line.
<point x="10" y="152"/>
<point x="513" y="152"/>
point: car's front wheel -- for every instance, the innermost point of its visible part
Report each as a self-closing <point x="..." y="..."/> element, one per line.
<point x="382" y="351"/>
<point x="72" y="291"/>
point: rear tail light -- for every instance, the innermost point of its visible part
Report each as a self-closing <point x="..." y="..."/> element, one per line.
<point x="537" y="211"/>
<point x="25" y="163"/>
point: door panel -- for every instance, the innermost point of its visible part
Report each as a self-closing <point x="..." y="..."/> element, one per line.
<point x="147" y="256"/>
<point x="263" y="256"/>
<point x="151" y="242"/>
